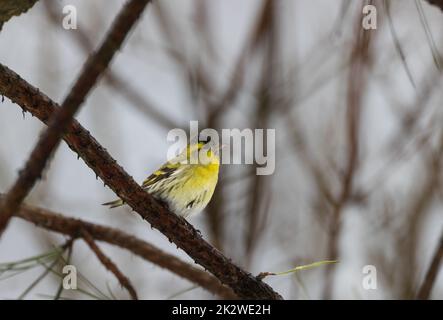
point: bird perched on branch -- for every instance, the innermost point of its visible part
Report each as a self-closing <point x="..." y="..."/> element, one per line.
<point x="187" y="182"/>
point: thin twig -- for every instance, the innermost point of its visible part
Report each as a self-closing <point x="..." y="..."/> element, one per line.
<point x="124" y="281"/>
<point x="175" y="228"/>
<point x="60" y="121"/>
<point x="431" y="275"/>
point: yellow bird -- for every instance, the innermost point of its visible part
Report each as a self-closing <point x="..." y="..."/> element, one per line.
<point x="185" y="186"/>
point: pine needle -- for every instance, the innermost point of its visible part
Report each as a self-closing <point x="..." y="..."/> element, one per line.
<point x="175" y="295"/>
<point x="262" y="275"/>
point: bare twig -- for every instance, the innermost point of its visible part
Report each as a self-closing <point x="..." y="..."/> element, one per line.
<point x="175" y="228"/>
<point x="431" y="275"/>
<point x="124" y="281"/>
<point x="60" y="121"/>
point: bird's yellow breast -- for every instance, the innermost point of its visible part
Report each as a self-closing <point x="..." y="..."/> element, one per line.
<point x="196" y="191"/>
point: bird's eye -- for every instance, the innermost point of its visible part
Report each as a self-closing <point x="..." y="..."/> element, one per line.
<point x="205" y="141"/>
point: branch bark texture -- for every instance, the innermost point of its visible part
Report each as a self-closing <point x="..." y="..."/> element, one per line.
<point x="50" y="139"/>
<point x="10" y="8"/>
<point x="73" y="227"/>
<point x="175" y="228"/>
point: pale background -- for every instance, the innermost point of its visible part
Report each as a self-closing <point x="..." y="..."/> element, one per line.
<point x="316" y="36"/>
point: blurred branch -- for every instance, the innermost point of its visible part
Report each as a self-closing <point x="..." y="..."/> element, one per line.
<point x="60" y="121"/>
<point x="414" y="211"/>
<point x="215" y="211"/>
<point x="360" y="61"/>
<point x="430" y="38"/>
<point x="267" y="91"/>
<point x="431" y="275"/>
<point x="435" y="168"/>
<point x="124" y="281"/>
<point x="118" y="83"/>
<point x="256" y="38"/>
<point x="217" y="108"/>
<point x="74" y="228"/>
<point x="189" y="69"/>
<point x="438" y="3"/>
<point x="10" y="8"/>
<point x="175" y="228"/>
<point x="398" y="47"/>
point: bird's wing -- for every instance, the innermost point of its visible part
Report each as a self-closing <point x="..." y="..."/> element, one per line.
<point x="164" y="172"/>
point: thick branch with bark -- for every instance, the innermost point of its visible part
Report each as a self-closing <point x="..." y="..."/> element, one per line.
<point x="73" y="227"/>
<point x="10" y="8"/>
<point x="50" y="139"/>
<point x="175" y="228"/>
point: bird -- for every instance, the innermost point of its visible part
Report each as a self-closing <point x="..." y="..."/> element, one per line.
<point x="184" y="186"/>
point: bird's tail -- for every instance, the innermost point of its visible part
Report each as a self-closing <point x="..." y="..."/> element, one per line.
<point x="114" y="204"/>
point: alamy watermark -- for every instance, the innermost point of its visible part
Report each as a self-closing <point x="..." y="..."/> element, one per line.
<point x="70" y="19"/>
<point x="246" y="146"/>
<point x="369" y="21"/>
<point x="70" y="280"/>
<point x="369" y="281"/>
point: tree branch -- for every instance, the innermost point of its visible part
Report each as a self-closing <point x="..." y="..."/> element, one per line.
<point x="124" y="281"/>
<point x="360" y="63"/>
<point x="10" y="8"/>
<point x="438" y="3"/>
<point x="50" y="139"/>
<point x="175" y="228"/>
<point x="73" y="227"/>
<point x="431" y="275"/>
<point x="113" y="79"/>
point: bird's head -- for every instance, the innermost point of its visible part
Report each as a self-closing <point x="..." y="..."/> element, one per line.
<point x="201" y="152"/>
